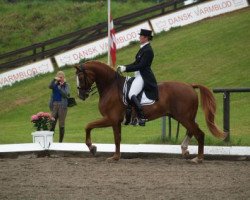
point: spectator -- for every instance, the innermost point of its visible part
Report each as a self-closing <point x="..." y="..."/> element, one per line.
<point x="59" y="101"/>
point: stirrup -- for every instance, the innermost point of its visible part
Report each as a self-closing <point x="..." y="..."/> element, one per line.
<point x="142" y="121"/>
<point x="134" y="122"/>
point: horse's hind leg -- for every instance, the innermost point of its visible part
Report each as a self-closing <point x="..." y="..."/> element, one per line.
<point x="185" y="143"/>
<point x="200" y="138"/>
<point x="104" y="122"/>
<point x="193" y="129"/>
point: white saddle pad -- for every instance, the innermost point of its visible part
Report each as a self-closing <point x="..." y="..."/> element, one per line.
<point x="144" y="99"/>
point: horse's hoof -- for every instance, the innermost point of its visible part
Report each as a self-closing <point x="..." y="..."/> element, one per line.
<point x="196" y="160"/>
<point x="93" y="150"/>
<point x="113" y="159"/>
<point x="185" y="153"/>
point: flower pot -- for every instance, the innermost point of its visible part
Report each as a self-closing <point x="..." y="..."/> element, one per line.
<point x="44" y="138"/>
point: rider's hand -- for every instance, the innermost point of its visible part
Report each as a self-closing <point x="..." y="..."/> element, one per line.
<point x="121" y="68"/>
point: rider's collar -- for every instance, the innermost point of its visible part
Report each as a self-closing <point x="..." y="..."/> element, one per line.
<point x="142" y="45"/>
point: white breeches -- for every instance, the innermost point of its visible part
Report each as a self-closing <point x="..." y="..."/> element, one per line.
<point x="136" y="86"/>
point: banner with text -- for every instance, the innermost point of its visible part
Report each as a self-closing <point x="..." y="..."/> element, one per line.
<point x="196" y="13"/>
<point x="99" y="47"/>
<point x="25" y="72"/>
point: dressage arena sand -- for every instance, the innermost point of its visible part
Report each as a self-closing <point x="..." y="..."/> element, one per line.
<point x="58" y="177"/>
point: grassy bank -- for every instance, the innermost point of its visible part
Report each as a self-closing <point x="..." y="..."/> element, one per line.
<point x="27" y="22"/>
<point x="213" y="52"/>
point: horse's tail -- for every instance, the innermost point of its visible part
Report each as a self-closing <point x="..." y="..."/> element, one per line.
<point x="209" y="107"/>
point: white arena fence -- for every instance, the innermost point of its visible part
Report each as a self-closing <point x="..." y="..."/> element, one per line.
<point x="43" y="143"/>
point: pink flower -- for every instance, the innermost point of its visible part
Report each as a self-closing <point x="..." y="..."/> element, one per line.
<point x="40" y="114"/>
<point x="34" y="117"/>
<point x="47" y="115"/>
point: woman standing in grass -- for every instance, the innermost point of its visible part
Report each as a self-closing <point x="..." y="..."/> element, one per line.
<point x="59" y="101"/>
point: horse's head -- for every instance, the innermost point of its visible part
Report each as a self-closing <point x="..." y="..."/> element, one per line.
<point x="84" y="80"/>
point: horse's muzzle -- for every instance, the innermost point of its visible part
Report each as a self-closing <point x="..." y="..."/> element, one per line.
<point x="83" y="96"/>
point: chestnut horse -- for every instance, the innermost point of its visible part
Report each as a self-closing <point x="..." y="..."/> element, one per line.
<point x="177" y="99"/>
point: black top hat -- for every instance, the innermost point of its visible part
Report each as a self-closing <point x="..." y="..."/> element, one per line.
<point x="146" y="33"/>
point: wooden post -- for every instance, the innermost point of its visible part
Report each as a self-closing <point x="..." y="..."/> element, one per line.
<point x="226" y="106"/>
<point x="226" y="114"/>
<point x="175" y="5"/>
<point x="169" y="128"/>
<point x="34" y="53"/>
<point x="177" y="131"/>
<point x="43" y="48"/>
<point x="163" y="130"/>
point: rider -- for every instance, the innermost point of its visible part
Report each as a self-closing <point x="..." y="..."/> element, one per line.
<point x="144" y="77"/>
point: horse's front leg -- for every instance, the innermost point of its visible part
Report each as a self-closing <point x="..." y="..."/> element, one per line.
<point x="104" y="122"/>
<point x="117" y="137"/>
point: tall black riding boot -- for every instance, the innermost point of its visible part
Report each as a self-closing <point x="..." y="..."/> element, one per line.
<point x="128" y="115"/>
<point x="139" y="111"/>
<point x="61" y="134"/>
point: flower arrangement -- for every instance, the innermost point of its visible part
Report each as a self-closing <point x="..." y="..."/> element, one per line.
<point x="42" y="121"/>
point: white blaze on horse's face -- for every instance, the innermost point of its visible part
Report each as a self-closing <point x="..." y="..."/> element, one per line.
<point x="77" y="83"/>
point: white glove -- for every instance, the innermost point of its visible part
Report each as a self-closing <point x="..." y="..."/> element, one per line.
<point x="121" y="68"/>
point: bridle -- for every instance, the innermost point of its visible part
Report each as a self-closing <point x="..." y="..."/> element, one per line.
<point x="90" y="88"/>
<point x="88" y="85"/>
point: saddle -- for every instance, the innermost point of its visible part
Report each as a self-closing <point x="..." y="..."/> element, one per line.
<point x="130" y="118"/>
<point x="141" y="96"/>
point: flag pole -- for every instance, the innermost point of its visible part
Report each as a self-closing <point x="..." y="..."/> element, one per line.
<point x="109" y="32"/>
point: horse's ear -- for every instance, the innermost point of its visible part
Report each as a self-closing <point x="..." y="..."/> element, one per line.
<point x="77" y="68"/>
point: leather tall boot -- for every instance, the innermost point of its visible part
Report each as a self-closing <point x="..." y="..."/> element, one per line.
<point x="128" y="115"/>
<point x="138" y="108"/>
<point x="61" y="134"/>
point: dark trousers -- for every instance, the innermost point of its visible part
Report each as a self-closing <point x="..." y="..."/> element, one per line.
<point x="59" y="113"/>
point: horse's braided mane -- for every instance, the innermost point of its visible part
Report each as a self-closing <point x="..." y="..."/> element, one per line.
<point x="96" y="62"/>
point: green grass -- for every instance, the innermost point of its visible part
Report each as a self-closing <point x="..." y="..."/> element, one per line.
<point x="214" y="52"/>
<point x="27" y="22"/>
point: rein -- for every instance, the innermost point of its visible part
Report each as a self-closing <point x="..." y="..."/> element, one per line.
<point x="117" y="77"/>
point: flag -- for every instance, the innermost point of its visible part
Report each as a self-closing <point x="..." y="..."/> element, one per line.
<point x="112" y="43"/>
<point x="111" y="39"/>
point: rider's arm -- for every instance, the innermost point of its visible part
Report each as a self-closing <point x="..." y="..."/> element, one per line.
<point x="145" y="61"/>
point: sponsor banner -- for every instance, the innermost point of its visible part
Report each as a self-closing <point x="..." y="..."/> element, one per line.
<point x="25" y="72"/>
<point x="99" y="47"/>
<point x="196" y="13"/>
